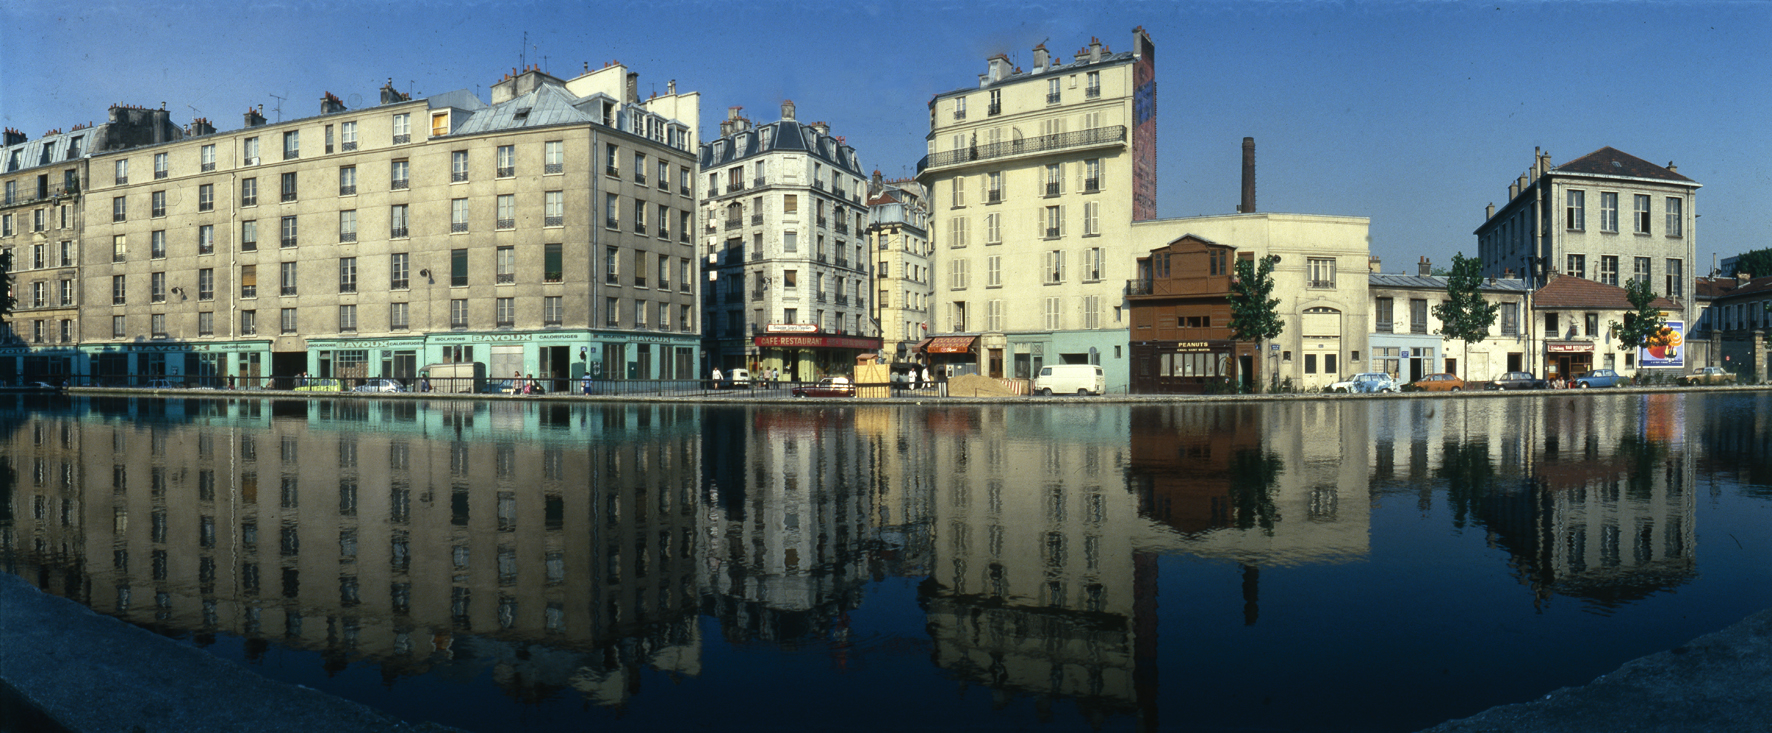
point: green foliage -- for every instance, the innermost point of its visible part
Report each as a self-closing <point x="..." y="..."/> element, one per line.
<point x="1756" y="262"/>
<point x="1254" y="475"/>
<point x="1465" y="315"/>
<point x="1255" y="316"/>
<point x="1642" y="322"/>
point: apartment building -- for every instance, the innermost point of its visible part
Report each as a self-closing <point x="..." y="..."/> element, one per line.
<point x="40" y="226"/>
<point x="546" y="232"/>
<point x="785" y="249"/>
<point x="1405" y="335"/>
<point x="1607" y="216"/>
<point x="1034" y="179"/>
<point x="898" y="237"/>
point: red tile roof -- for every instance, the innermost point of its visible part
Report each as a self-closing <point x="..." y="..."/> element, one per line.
<point x="1575" y="292"/>
<point x="1609" y="161"/>
<point x="1715" y="287"/>
<point x="1756" y="286"/>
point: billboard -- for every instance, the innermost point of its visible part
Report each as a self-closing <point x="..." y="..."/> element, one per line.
<point x="1144" y="130"/>
<point x="1666" y="349"/>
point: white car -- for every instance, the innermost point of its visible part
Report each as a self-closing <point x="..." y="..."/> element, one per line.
<point x="165" y="384"/>
<point x="381" y="385"/>
<point x="1366" y="383"/>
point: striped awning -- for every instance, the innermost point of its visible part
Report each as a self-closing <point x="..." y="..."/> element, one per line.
<point x="950" y="345"/>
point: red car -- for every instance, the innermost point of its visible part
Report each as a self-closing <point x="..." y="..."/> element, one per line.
<point x="838" y="387"/>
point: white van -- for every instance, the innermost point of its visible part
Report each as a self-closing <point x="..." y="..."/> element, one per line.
<point x="1082" y="379"/>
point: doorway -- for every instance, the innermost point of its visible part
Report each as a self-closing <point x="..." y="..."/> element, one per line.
<point x="996" y="357"/>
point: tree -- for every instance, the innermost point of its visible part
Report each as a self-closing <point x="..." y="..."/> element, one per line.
<point x="1465" y="315"/>
<point x="1255" y="316"/>
<point x="1756" y="262"/>
<point x="1642" y="323"/>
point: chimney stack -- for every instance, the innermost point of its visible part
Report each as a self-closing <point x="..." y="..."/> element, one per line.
<point x="1040" y="58"/>
<point x="330" y="104"/>
<point x="1489" y="213"/>
<point x="1094" y="50"/>
<point x="1426" y="268"/>
<point x="671" y="87"/>
<point x="1248" y="205"/>
<point x="201" y="126"/>
<point x="998" y="69"/>
<point x="633" y="88"/>
<point x="255" y="117"/>
<point x="390" y="96"/>
<point x="1671" y="168"/>
<point x="1373" y="264"/>
<point x="787" y="109"/>
<point x="14" y="137"/>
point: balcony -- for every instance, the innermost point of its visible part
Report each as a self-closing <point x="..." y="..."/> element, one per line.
<point x="553" y="168"/>
<point x="993" y="109"/>
<point x="553" y="221"/>
<point x="734" y="187"/>
<point x="821" y="222"/>
<point x="348" y="145"/>
<point x="288" y="242"/>
<point x="842" y="226"/>
<point x="639" y="281"/>
<point x="397" y="233"/>
<point x="1092" y="92"/>
<point x="1386" y="327"/>
<point x="960" y="114"/>
<point x="732" y="224"/>
<point x="756" y="295"/>
<point x="403" y="138"/>
<point x="458" y="176"/>
<point x="1091" y="185"/>
<point x="246" y="291"/>
<point x="1038" y="144"/>
<point x="756" y="220"/>
<point x="1052" y="97"/>
<point x="458" y="227"/>
<point x="843" y="263"/>
<point x="1052" y="188"/>
<point x="611" y="223"/>
<point x="159" y="174"/>
<point x="288" y="196"/>
<point x="640" y="178"/>
<point x="507" y="172"/>
<point x="507" y="223"/>
<point x="289" y="290"/>
<point x="611" y="170"/>
<point x="347" y="237"/>
<point x="207" y="167"/>
<point x="400" y="184"/>
<point x="818" y="184"/>
<point x="820" y="298"/>
<point x="639" y="227"/>
<point x="842" y="299"/>
<point x="993" y="196"/>
<point x="759" y="182"/>
<point x="350" y="190"/>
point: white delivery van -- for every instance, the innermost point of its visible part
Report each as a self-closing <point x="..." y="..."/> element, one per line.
<point x="1080" y="379"/>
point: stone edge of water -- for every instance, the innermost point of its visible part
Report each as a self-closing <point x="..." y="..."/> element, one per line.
<point x="1719" y="682"/>
<point x="89" y="672"/>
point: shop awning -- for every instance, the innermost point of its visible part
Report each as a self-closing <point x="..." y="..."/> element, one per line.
<point x="950" y="345"/>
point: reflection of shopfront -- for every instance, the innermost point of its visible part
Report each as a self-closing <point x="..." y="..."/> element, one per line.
<point x="1565" y="359"/>
<point x="810" y="356"/>
<point x="1191" y="367"/>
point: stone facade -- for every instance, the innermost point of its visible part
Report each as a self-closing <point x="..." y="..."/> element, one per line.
<point x="1405" y="338"/>
<point x="898" y="237"/>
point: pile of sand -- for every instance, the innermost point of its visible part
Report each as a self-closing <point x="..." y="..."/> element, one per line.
<point x="973" y="385"/>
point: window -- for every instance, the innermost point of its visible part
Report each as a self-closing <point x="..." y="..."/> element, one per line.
<point x="664" y="272"/>
<point x="504" y="311"/>
<point x="399" y="175"/>
<point x="959" y="193"/>
<point x="458" y="166"/>
<point x="551" y="310"/>
<point x="1591" y="324"/>
<point x="458" y="216"/>
<point x="957" y="232"/>
<point x="1054" y="179"/>
<point x="1092" y="265"/>
<point x="1054" y="319"/>
<point x="157" y="204"/>
<point x="683" y="226"/>
<point x="119" y="247"/>
<point x="206" y="239"/>
<point x="640" y="313"/>
<point x="248" y="281"/>
<point x="206" y="197"/>
<point x="1640" y="270"/>
<point x="664" y="175"/>
<point x="1640" y="220"/>
<point x="506" y="161"/>
<point x="160" y="170"/>
<point x="288" y="278"/>
<point x="286" y="320"/>
<point x="205" y="284"/>
<point x="156" y="289"/>
<point x="554" y="208"/>
<point x="1091" y="224"/>
<point x="1322" y="272"/>
<point x="289" y="186"/>
<point x="1575" y="211"/>
<point x="1510" y="319"/>
<point x="1054" y="218"/>
<point x="119" y="290"/>
<point x="399" y="269"/>
<point x="1092" y="88"/>
<point x="458" y="268"/>
<point x="993" y="277"/>
<point x="959" y="108"/>
<point x="397" y="222"/>
<point x="611" y="312"/>
<point x="289" y="230"/>
<point x="1551" y="327"/>
<point x="156" y="324"/>
<point x="458" y="313"/>
<point x="1052" y="91"/>
<point x="249" y="192"/>
<point x="439" y="123"/>
<point x="67" y="254"/>
<point x="156" y="246"/>
<point x="292" y="145"/>
<point x="119" y="209"/>
<point x="1676" y="279"/>
<point x="611" y="211"/>
<point x="553" y="263"/>
<point x="118" y="327"/>
<point x="399" y="317"/>
<point x="1092" y="174"/>
<point x="1609" y="269"/>
<point x="347" y="135"/>
<point x="553" y="157"/>
<point x="612" y="266"/>
<point x="993" y="229"/>
<point x="347" y="180"/>
<point x="1054" y="271"/>
<point x="402" y="128"/>
<point x="122" y="174"/>
<point x="248" y="323"/>
<point x="67" y="288"/>
<point x="507" y="211"/>
<point x="790" y="204"/>
<point x="1417" y="315"/>
<point x="640" y="168"/>
<point x="1384" y="314"/>
<point x="347" y="318"/>
<point x="1578" y="265"/>
<point x="790" y="279"/>
<point x="1608" y="212"/>
<point x="347" y="274"/>
<point x="504" y="262"/>
<point x="1675" y="223"/>
<point x="664" y="222"/>
<point x="959" y="274"/>
<point x="639" y="216"/>
<point x="611" y="160"/>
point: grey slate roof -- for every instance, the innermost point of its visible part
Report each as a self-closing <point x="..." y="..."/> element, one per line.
<point x="1107" y="59"/>
<point x="1433" y="282"/>
<point x="544" y="106"/>
<point x="785" y="135"/>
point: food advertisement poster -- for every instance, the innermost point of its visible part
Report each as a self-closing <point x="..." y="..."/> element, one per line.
<point x="1665" y="349"/>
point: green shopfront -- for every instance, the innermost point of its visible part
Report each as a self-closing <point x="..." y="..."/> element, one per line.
<point x="193" y="363"/>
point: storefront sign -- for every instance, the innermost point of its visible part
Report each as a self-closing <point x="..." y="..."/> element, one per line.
<point x="1571" y="347"/>
<point x="816" y="342"/>
<point x="790" y="328"/>
<point x="955" y="345"/>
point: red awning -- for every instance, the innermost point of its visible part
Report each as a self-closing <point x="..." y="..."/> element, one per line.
<point x="950" y="345"/>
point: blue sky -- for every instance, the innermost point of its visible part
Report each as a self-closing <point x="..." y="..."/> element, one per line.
<point x="1415" y="114"/>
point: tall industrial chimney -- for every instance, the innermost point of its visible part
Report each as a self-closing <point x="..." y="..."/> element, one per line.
<point x="1248" y="205"/>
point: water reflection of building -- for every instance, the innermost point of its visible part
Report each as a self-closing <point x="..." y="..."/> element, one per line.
<point x="788" y="560"/>
<point x="544" y="543"/>
<point x="902" y="490"/>
<point x="1036" y="584"/>
<point x="1259" y="484"/>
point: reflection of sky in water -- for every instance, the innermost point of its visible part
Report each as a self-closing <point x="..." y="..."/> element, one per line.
<point x="1376" y="564"/>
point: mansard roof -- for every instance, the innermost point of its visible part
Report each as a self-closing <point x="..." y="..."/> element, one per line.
<point x="1609" y="161"/>
<point x="1567" y="291"/>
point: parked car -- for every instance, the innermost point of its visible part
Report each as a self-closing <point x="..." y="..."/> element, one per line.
<point x="496" y="386"/>
<point x="1366" y="383"/>
<point x="1517" y="380"/>
<point x="381" y="385"/>
<point x="1079" y="379"/>
<point x="1437" y="383"/>
<point x="1598" y="378"/>
<point x="165" y="384"/>
<point x="1709" y="375"/>
<point x="318" y="385"/>
<point x="830" y="387"/>
<point x="736" y="379"/>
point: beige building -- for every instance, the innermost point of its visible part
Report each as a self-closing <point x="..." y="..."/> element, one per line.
<point x="1320" y="279"/>
<point x="1034" y="179"/>
<point x="898" y="237"/>
<point x="792" y="196"/>
<point x="1607" y="216"/>
<point x="1405" y="335"/>
<point x="546" y="233"/>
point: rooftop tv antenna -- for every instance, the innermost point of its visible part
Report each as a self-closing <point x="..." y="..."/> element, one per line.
<point x="279" y="108"/>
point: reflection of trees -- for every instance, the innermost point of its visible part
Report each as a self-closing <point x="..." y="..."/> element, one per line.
<point x="1469" y="476"/>
<point x="1644" y="459"/>
<point x="1253" y="476"/>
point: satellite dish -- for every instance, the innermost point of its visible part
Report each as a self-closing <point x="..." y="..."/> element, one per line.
<point x="354" y="100"/>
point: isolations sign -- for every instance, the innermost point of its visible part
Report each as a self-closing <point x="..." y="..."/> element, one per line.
<point x="791" y="328"/>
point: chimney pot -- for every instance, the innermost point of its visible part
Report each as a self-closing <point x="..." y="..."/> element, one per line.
<point x="1248" y="204"/>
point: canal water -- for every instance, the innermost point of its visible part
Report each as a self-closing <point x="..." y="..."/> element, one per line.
<point x="1333" y="565"/>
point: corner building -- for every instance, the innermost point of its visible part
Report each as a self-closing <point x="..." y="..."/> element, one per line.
<point x="545" y="233"/>
<point x="1034" y="179"/>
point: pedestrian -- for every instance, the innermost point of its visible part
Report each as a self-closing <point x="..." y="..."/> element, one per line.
<point x="424" y="384"/>
<point x="717" y="377"/>
<point x="587" y="383"/>
<point x="926" y="381"/>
